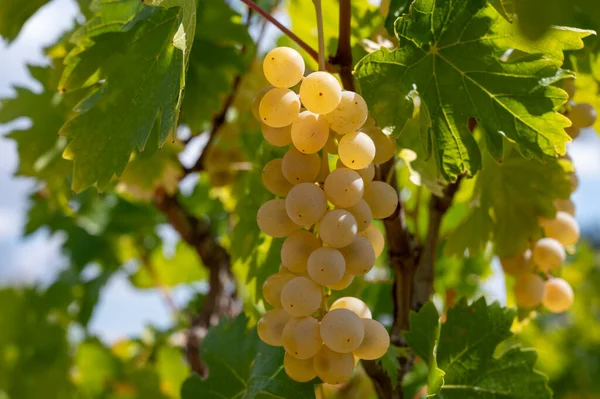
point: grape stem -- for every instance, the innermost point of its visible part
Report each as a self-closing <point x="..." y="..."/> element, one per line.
<point x="319" y="12"/>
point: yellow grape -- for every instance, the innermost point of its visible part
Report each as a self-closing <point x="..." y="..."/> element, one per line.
<point x="558" y="295"/>
<point x="517" y="264"/>
<point x="271" y="325"/>
<point x="356" y="150"/>
<point x="582" y="115"/>
<point x="300" y="168"/>
<point x="320" y="92"/>
<point x="529" y="290"/>
<point x="273" y="219"/>
<point x="333" y="367"/>
<point x="274" y="180"/>
<point x="332" y="144"/>
<point x="301" y="337"/>
<point x="362" y="213"/>
<point x="344" y="187"/>
<point x="343" y="283"/>
<point x="569" y="87"/>
<point x="283" y="67"/>
<point x="353" y="304"/>
<point x="565" y="205"/>
<point x="548" y="254"/>
<point x="306" y="204"/>
<point x="301" y="297"/>
<point x="375" y="237"/>
<point x="385" y="146"/>
<point x="382" y="199"/>
<point x="342" y="330"/>
<point x="376" y="341"/>
<point x="279" y="107"/>
<point x="359" y="256"/>
<point x="337" y="228"/>
<point x="256" y="102"/>
<point x="299" y="370"/>
<point x="573" y="131"/>
<point x="326" y="266"/>
<point x="367" y="174"/>
<point x="297" y="248"/>
<point x="277" y="136"/>
<point x="563" y="228"/>
<point x="350" y="114"/>
<point x="309" y="132"/>
<point x="272" y="287"/>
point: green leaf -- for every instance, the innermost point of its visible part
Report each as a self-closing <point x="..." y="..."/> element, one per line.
<point x="243" y="370"/>
<point x="95" y="367"/>
<point x="135" y="95"/>
<point x="397" y="8"/>
<point x="463" y="348"/>
<point x="14" y="15"/>
<point x="451" y="54"/>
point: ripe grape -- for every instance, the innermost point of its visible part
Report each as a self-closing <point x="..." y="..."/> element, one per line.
<point x="301" y="337"/>
<point x="306" y="204"/>
<point x="344" y="187"/>
<point x="326" y="266"/>
<point x="353" y="304"/>
<point x="565" y="205"/>
<point x="333" y="367"/>
<point x="356" y="150"/>
<point x="320" y="92"/>
<point x="569" y="87"/>
<point x="548" y="254"/>
<point x="375" y="237"/>
<point x="385" y="146"/>
<point x="573" y="131"/>
<point x="343" y="283"/>
<point x="529" y="290"/>
<point x="279" y="107"/>
<point x="297" y="248"/>
<point x="337" y="228"/>
<point x="297" y="369"/>
<point x="362" y="213"/>
<point x="558" y="296"/>
<point x="350" y="114"/>
<point x="359" y="256"/>
<point x="283" y="67"/>
<point x="300" y="168"/>
<point x="271" y="325"/>
<point x="382" y="199"/>
<point x="376" y="341"/>
<point x="582" y="115"/>
<point x="272" y="287"/>
<point x="332" y="144"/>
<point x="342" y="330"/>
<point x="367" y="174"/>
<point x="277" y="136"/>
<point x="563" y="228"/>
<point x="301" y="297"/>
<point x="309" y="132"/>
<point x="273" y="179"/>
<point x="256" y="102"/>
<point x="273" y="219"/>
<point x="517" y="264"/>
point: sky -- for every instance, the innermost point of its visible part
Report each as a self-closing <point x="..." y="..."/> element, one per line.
<point x="123" y="310"/>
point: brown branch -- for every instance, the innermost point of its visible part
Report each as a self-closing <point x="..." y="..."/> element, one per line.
<point x="343" y="56"/>
<point x="164" y="290"/>
<point x="438" y="206"/>
<point x="221" y="299"/>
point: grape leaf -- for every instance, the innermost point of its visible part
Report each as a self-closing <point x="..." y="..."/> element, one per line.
<point x="463" y="348"/>
<point x="244" y="370"/>
<point x="14" y="15"/>
<point x="128" y="49"/>
<point x="451" y="54"/>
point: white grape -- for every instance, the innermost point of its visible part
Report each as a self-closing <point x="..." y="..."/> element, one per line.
<point x="273" y="219"/>
<point x="359" y="256"/>
<point x="548" y="254"/>
<point x="343" y="283"/>
<point x="353" y="304"/>
<point x="385" y="146"/>
<point x="320" y="92"/>
<point x="326" y="266"/>
<point x="301" y="337"/>
<point x="306" y="204"/>
<point x="558" y="295"/>
<point x="337" y="228"/>
<point x="344" y="187"/>
<point x="375" y="342"/>
<point x="277" y="136"/>
<point x="583" y="115"/>
<point x="382" y="199"/>
<point x="283" y="67"/>
<point x="309" y="132"/>
<point x="271" y="325"/>
<point x="301" y="296"/>
<point x="333" y="367"/>
<point x="342" y="330"/>
<point x="297" y="248"/>
<point x="272" y="287"/>
<point x="563" y="228"/>
<point x="362" y="213"/>
<point x="297" y="369"/>
<point x="375" y="237"/>
<point x="256" y="102"/>
<point x="565" y="205"/>
<point x="529" y="290"/>
<point x="356" y="150"/>
<point x="517" y="264"/>
<point x="350" y="114"/>
<point x="279" y="107"/>
<point x="367" y="174"/>
<point x="300" y="168"/>
<point x="274" y="180"/>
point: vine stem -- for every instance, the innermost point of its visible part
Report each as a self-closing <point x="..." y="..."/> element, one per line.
<point x="319" y="12"/>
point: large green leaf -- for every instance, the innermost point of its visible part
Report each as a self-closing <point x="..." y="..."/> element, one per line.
<point x="14" y="14"/>
<point x="138" y="55"/>
<point x="462" y="351"/>
<point x="451" y="53"/>
<point x="241" y="366"/>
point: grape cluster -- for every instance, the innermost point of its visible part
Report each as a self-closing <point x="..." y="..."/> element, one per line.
<point x="324" y="216"/>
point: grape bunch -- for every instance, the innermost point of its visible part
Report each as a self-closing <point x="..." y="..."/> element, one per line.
<point x="325" y="217"/>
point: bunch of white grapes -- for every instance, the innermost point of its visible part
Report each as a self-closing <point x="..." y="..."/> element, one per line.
<point x="547" y="255"/>
<point x="581" y="115"/>
<point x="324" y="216"/>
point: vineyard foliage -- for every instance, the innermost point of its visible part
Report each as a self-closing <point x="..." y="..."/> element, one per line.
<point x="142" y="122"/>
